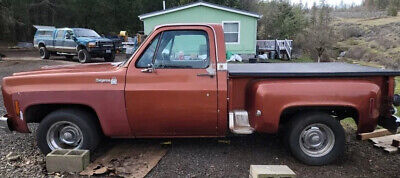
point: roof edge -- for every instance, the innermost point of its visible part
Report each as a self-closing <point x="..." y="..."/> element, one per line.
<point x="200" y="3"/>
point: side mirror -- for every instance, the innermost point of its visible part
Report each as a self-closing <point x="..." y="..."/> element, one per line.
<point x="67" y="36"/>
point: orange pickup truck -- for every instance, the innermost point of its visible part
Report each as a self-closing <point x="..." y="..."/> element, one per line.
<point x="178" y="84"/>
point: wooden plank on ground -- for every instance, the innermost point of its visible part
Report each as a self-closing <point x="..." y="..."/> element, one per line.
<point x="376" y="133"/>
<point x="388" y="138"/>
<point x="391" y="149"/>
<point x="126" y="160"/>
<point x="381" y="145"/>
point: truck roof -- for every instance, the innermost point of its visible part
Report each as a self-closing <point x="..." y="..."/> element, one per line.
<point x="331" y="69"/>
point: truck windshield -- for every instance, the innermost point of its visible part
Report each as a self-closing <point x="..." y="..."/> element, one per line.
<point x="86" y="33"/>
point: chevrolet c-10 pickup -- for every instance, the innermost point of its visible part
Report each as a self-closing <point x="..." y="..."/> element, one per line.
<point x="178" y="84"/>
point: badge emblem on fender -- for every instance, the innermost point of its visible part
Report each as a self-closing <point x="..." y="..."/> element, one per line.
<point x="112" y="81"/>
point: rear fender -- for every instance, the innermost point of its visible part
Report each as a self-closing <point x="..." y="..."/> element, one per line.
<point x="273" y="97"/>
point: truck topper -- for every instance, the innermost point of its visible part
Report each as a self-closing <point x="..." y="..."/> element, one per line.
<point x="178" y="84"/>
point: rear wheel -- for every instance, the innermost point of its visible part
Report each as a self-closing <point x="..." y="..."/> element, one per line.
<point x="68" y="129"/>
<point x="44" y="53"/>
<point x="316" y="138"/>
<point x="83" y="56"/>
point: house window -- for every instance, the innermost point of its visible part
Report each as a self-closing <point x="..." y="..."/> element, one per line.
<point x="231" y="32"/>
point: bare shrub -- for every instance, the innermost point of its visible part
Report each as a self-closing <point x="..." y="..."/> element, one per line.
<point x="373" y="45"/>
<point x="356" y="52"/>
<point x="351" y="31"/>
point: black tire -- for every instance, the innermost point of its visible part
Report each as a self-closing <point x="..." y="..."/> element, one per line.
<point x="110" y="57"/>
<point x="294" y="138"/>
<point x="84" y="56"/>
<point x="69" y="57"/>
<point x="85" y="121"/>
<point x="44" y="53"/>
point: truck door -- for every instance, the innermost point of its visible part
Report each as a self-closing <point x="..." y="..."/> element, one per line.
<point x="69" y="43"/>
<point x="59" y="41"/>
<point x="171" y="89"/>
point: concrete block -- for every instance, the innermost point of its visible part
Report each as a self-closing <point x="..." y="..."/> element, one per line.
<point x="271" y="171"/>
<point x="67" y="160"/>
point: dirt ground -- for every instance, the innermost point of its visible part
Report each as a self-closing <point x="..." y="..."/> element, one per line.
<point x="227" y="157"/>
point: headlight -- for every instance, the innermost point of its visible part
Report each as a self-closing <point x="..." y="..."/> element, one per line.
<point x="92" y="44"/>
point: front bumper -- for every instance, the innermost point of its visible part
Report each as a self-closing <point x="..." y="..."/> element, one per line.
<point x="4" y="124"/>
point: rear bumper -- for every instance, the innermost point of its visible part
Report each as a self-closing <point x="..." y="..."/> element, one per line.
<point x="4" y="124"/>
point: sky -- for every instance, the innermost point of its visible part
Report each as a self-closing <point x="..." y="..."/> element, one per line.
<point x="330" y="2"/>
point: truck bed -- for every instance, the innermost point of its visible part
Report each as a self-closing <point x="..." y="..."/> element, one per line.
<point x="331" y="69"/>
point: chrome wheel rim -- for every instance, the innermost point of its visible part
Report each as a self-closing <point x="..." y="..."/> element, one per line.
<point x="64" y="135"/>
<point x="317" y="140"/>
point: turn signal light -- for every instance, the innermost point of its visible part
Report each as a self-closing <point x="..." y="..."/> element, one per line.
<point x="16" y="108"/>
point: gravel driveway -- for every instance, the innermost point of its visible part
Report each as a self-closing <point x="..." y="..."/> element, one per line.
<point x="230" y="157"/>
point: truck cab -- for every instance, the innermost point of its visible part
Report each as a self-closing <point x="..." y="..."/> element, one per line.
<point x="178" y="84"/>
<point x="70" y="42"/>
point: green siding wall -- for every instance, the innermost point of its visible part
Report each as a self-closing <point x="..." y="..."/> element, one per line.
<point x="202" y="14"/>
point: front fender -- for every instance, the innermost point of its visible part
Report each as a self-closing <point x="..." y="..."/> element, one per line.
<point x="272" y="97"/>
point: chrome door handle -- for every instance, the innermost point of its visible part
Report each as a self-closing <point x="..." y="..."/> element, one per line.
<point x="206" y="74"/>
<point x="147" y="70"/>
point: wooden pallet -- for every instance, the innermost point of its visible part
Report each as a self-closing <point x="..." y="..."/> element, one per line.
<point x="389" y="143"/>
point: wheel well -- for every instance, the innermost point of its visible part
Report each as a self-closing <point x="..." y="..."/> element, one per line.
<point x="80" y="47"/>
<point x="338" y="112"/>
<point x="36" y="113"/>
<point x="41" y="45"/>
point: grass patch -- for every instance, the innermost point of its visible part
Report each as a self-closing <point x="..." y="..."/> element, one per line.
<point x="349" y="123"/>
<point x="302" y="59"/>
<point x="369" y="22"/>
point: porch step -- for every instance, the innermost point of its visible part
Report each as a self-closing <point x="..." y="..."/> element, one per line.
<point x="239" y="122"/>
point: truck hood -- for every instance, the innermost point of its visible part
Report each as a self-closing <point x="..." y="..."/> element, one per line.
<point x="74" y="68"/>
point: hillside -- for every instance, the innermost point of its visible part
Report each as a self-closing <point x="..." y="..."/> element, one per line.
<point x="374" y="40"/>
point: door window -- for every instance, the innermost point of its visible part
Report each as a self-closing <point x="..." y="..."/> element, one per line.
<point x="183" y="49"/>
<point x="60" y="34"/>
<point x="147" y="57"/>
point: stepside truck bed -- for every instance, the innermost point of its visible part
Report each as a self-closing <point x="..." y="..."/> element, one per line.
<point x="332" y="69"/>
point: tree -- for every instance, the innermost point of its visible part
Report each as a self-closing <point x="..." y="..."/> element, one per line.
<point x="280" y="20"/>
<point x="319" y="37"/>
<point x="394" y="6"/>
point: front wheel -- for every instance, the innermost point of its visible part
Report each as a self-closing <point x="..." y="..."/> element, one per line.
<point x="83" y="56"/>
<point x="316" y="138"/>
<point x="68" y="129"/>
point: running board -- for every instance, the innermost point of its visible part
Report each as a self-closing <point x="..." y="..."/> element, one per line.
<point x="239" y="122"/>
<point x="72" y="54"/>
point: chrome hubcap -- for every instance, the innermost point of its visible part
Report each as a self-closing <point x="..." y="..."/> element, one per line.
<point x="317" y="140"/>
<point x="64" y="135"/>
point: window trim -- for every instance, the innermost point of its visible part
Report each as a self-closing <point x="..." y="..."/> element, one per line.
<point x="238" y="22"/>
<point x="148" y="45"/>
<point x="207" y="36"/>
